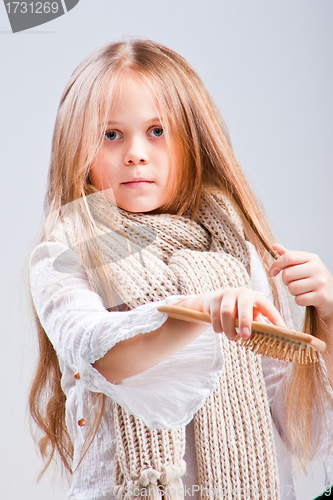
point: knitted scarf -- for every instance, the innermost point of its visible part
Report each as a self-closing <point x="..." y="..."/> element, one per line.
<point x="150" y="258"/>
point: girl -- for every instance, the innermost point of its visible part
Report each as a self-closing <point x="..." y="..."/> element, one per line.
<point x="146" y="204"/>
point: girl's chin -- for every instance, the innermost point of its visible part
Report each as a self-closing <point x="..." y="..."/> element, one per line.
<point x="138" y="207"/>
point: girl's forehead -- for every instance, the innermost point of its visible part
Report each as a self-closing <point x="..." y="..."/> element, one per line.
<point x="129" y="87"/>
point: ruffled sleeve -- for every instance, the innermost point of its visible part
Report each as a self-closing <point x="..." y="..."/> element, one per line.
<point x="82" y="331"/>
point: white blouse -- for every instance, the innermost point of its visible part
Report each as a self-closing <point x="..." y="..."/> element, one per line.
<point x="166" y="395"/>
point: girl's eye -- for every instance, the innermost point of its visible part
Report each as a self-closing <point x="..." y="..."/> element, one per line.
<point x="156" y="132"/>
<point x="112" y="135"/>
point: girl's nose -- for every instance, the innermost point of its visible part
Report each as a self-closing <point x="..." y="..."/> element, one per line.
<point x="136" y="154"/>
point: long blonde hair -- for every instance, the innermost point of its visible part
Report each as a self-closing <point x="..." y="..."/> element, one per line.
<point x="204" y="160"/>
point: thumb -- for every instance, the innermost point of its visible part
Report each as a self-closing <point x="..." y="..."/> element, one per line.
<point x="279" y="248"/>
<point x="275" y="268"/>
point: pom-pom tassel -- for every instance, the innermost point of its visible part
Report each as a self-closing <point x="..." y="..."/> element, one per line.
<point x="174" y="490"/>
<point x="154" y="492"/>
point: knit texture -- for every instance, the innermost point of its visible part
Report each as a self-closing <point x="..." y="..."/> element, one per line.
<point x="151" y="257"/>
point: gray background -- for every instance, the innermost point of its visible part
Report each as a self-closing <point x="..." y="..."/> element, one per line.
<point x="267" y="64"/>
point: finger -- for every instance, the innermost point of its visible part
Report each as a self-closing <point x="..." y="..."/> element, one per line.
<point x="264" y="306"/>
<point x="288" y="259"/>
<point x="245" y="315"/>
<point x="228" y="314"/>
<point x="307" y="299"/>
<point x="257" y="316"/>
<point x="215" y="317"/>
<point x="317" y="300"/>
<point x="279" y="248"/>
<point x="300" y="272"/>
<point x="300" y="287"/>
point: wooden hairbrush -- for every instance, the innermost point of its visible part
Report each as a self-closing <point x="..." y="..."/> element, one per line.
<point x="269" y="340"/>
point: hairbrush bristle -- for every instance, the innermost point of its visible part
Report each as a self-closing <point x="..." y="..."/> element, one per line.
<point x="280" y="348"/>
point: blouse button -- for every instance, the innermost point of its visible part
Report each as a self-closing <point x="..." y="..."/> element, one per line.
<point x="76" y="376"/>
<point x="82" y="422"/>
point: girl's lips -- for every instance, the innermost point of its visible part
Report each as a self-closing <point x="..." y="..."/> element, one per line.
<point x="137" y="184"/>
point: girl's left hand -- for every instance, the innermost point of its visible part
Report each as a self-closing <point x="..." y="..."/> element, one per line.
<point x="307" y="279"/>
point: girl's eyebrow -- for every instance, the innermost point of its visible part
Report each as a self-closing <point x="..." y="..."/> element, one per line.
<point x="156" y="119"/>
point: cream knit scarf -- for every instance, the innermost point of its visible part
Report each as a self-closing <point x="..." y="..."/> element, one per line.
<point x="234" y="442"/>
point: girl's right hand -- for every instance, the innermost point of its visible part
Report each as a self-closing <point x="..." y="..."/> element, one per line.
<point x="139" y="353"/>
<point x="226" y="305"/>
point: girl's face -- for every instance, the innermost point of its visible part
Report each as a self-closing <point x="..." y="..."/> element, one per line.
<point x="134" y="158"/>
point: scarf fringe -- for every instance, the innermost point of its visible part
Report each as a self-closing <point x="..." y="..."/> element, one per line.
<point x="154" y="485"/>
